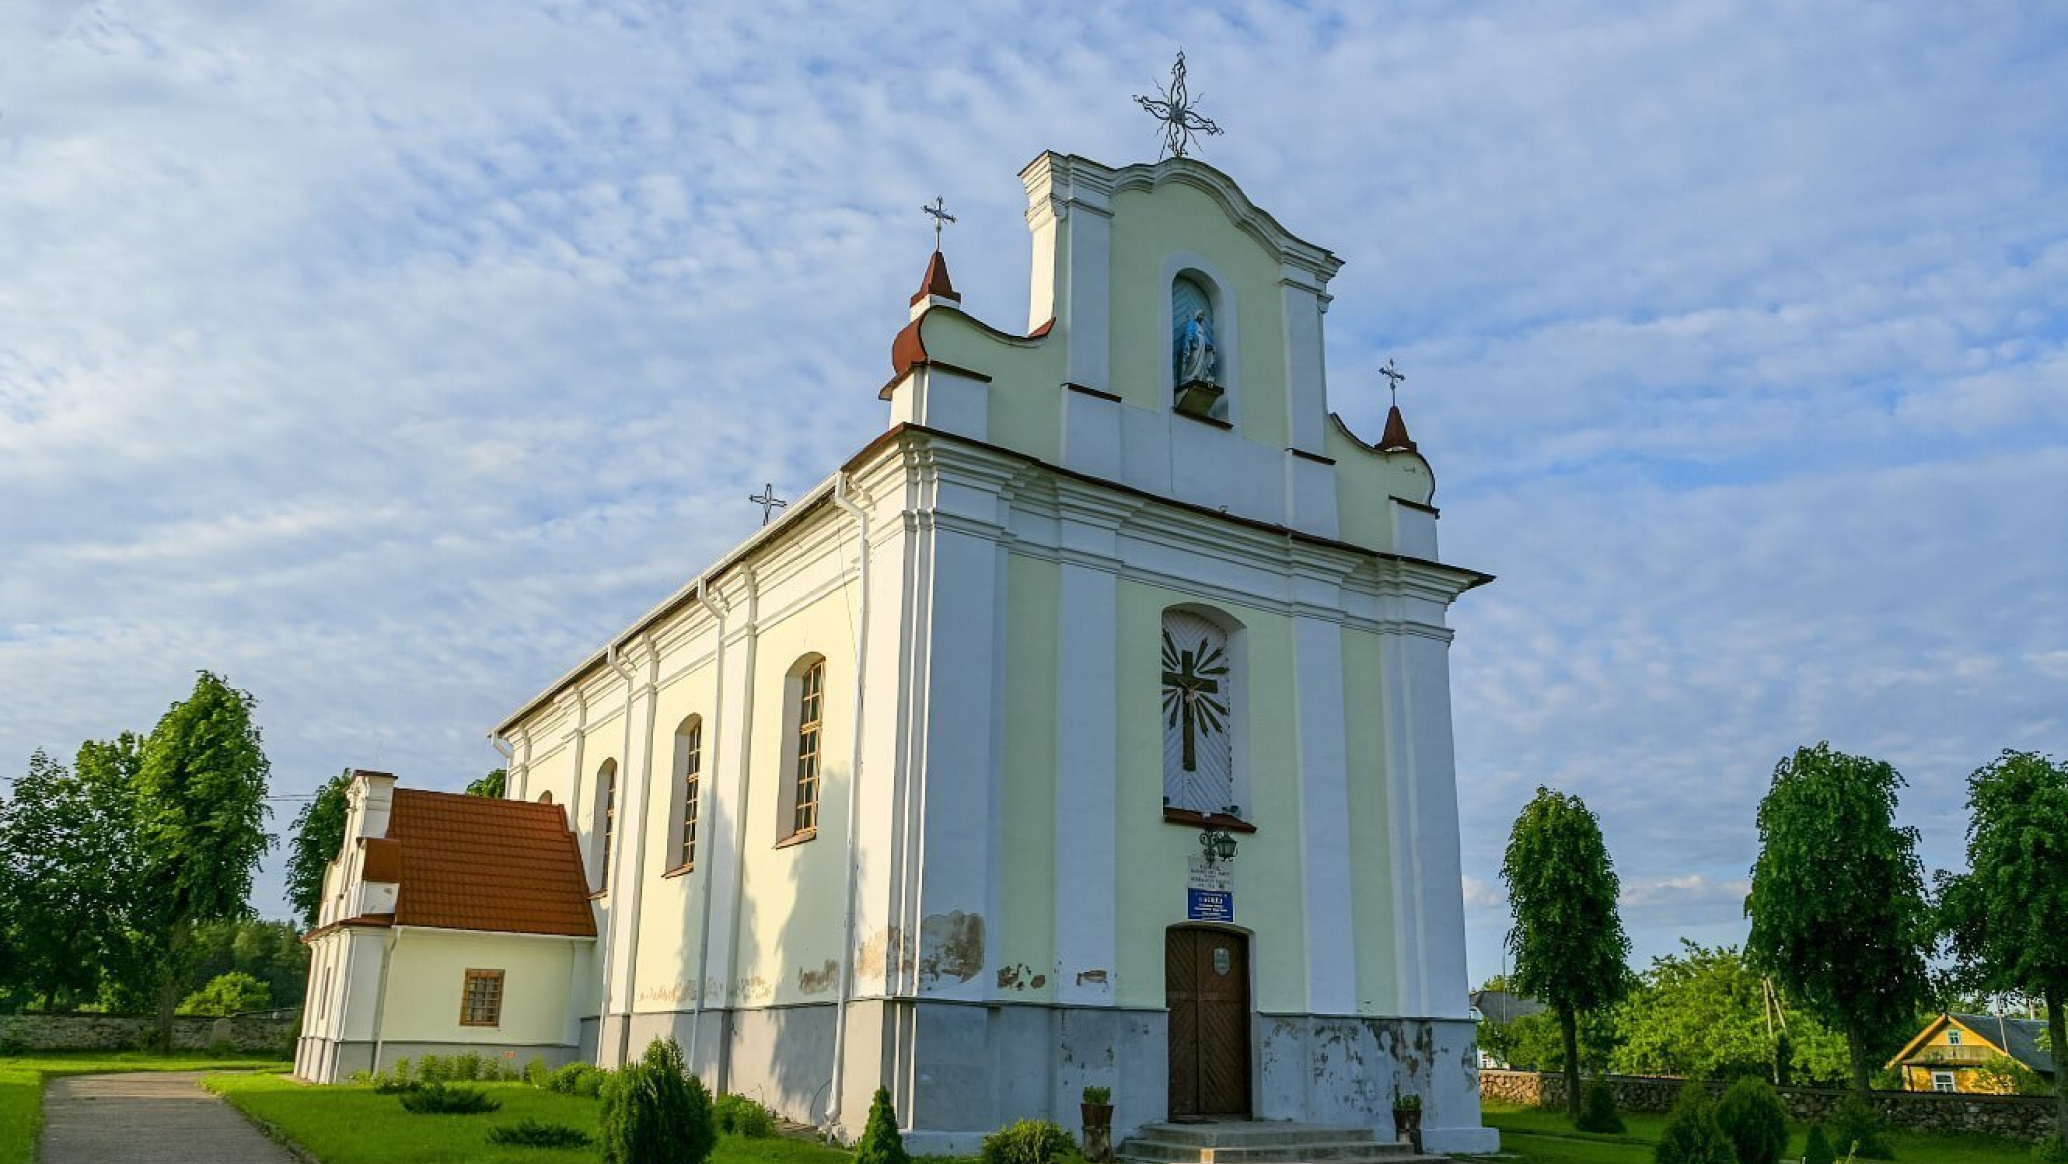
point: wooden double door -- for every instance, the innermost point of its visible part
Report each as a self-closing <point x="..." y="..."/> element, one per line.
<point x="1206" y="985"/>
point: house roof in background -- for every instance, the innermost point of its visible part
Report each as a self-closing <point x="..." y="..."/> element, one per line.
<point x="2017" y="1037"/>
<point x="1503" y="1006"/>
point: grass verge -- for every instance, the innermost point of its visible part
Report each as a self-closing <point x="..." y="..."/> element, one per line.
<point x="1536" y="1136"/>
<point x="22" y="1078"/>
<point x="349" y="1124"/>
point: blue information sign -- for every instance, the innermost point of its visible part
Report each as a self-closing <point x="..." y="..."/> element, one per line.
<point x="1214" y="905"/>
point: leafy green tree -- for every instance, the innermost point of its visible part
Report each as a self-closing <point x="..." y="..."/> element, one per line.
<point x="232" y="993"/>
<point x="490" y="785"/>
<point x="2006" y="915"/>
<point x="1568" y="941"/>
<point x="67" y="842"/>
<point x="2004" y="1075"/>
<point x="319" y="835"/>
<point x="269" y="951"/>
<point x="200" y="811"/>
<point x="1703" y="1013"/>
<point x="1839" y="916"/>
<point x="1536" y="1042"/>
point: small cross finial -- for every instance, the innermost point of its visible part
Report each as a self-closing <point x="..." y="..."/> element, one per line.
<point x="768" y="501"/>
<point x="1393" y="377"/>
<point x="1174" y="110"/>
<point x="941" y="217"/>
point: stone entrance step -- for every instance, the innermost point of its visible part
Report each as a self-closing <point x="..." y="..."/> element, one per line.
<point x="1263" y="1143"/>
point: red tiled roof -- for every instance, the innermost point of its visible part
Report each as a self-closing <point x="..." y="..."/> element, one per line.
<point x="475" y="863"/>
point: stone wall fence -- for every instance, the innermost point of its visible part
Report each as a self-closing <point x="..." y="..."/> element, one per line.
<point x="269" y="1033"/>
<point x="2015" y="1117"/>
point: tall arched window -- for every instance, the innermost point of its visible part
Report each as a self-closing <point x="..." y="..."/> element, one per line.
<point x="689" y="768"/>
<point x="606" y="818"/>
<point x="805" y="707"/>
<point x="1200" y="713"/>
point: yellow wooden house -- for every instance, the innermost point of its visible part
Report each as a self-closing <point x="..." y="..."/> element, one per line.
<point x="1951" y="1050"/>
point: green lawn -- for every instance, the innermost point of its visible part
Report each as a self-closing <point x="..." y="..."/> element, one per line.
<point x="21" y="1085"/>
<point x="1536" y="1136"/>
<point x="349" y="1124"/>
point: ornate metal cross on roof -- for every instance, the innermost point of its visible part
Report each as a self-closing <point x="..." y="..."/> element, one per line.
<point x="1174" y="110"/>
<point x="768" y="502"/>
<point x="1393" y="376"/>
<point x="941" y="217"/>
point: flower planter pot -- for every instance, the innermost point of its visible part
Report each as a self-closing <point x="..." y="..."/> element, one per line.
<point x="1098" y="1131"/>
<point x="1407" y="1125"/>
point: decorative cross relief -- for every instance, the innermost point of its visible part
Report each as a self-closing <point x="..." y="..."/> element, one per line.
<point x="1193" y="700"/>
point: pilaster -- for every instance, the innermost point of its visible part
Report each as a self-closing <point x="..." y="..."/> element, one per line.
<point x="1087" y="746"/>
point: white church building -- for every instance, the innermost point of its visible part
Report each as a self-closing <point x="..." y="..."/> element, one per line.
<point x="1089" y="726"/>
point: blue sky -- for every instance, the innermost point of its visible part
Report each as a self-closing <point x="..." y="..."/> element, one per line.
<point x="386" y="357"/>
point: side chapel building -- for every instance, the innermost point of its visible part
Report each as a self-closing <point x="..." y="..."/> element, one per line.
<point x="1087" y="727"/>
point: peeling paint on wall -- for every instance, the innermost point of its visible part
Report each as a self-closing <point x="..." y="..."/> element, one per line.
<point x="871" y="960"/>
<point x="1091" y="977"/>
<point x="1020" y="976"/>
<point x="951" y="946"/>
<point x="818" y="981"/>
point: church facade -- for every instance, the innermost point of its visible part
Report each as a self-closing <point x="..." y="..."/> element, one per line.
<point x="1089" y="727"/>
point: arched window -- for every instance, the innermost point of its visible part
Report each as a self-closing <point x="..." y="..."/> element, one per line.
<point x="689" y="775"/>
<point x="1201" y="713"/>
<point x="546" y="797"/>
<point x="805" y="705"/>
<point x="606" y="818"/>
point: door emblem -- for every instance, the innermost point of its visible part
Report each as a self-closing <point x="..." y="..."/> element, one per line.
<point x="1223" y="962"/>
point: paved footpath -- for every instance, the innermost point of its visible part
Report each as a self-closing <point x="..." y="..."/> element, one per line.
<point x="161" y="1117"/>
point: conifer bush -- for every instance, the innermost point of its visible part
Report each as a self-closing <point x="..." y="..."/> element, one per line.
<point x="1751" y="1114"/>
<point x="1598" y="1109"/>
<point x="1854" y="1122"/>
<point x="655" y="1112"/>
<point x="1027" y="1142"/>
<point x="1818" y="1148"/>
<point x="1691" y="1135"/>
<point x="531" y="1133"/>
<point x="881" y="1143"/>
<point x="445" y="1099"/>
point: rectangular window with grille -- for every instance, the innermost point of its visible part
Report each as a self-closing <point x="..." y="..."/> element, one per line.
<point x="810" y="719"/>
<point x="481" y="1003"/>
<point x="692" y="774"/>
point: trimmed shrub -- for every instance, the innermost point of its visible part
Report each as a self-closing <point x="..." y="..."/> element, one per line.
<point x="433" y="1069"/>
<point x="880" y="1142"/>
<point x="1818" y="1148"/>
<point x="468" y="1067"/>
<point x="444" y="1099"/>
<point x="1854" y="1122"/>
<point x="582" y="1079"/>
<point x="739" y="1116"/>
<point x="1598" y="1109"/>
<point x="1750" y="1113"/>
<point x="537" y="1073"/>
<point x="392" y="1085"/>
<point x="401" y="1069"/>
<point x="655" y="1112"/>
<point x="531" y="1133"/>
<point x="1027" y="1142"/>
<point x="1691" y="1135"/>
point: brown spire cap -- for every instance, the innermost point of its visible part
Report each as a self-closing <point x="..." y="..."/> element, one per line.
<point x="936" y="284"/>
<point x="1395" y="438"/>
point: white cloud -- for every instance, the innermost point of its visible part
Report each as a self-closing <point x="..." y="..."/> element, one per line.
<point x="387" y="357"/>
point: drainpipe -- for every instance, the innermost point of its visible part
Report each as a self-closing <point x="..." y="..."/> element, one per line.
<point x="854" y="788"/>
<point x="616" y="847"/>
<point x="716" y="737"/>
<point x="380" y="997"/>
<point x="504" y="749"/>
